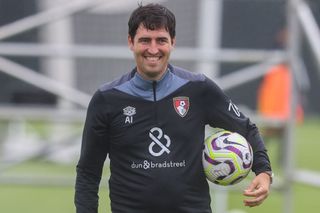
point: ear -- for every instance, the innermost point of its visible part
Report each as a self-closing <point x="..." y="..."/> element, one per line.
<point x="130" y="42"/>
<point x="173" y="43"/>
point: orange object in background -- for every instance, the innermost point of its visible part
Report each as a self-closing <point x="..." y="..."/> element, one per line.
<point x="274" y="94"/>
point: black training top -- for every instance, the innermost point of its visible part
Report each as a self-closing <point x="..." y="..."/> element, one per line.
<point x="153" y="133"/>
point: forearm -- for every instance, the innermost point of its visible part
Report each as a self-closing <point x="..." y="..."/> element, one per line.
<point x="261" y="162"/>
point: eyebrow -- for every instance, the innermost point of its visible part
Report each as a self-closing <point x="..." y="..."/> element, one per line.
<point x="148" y="38"/>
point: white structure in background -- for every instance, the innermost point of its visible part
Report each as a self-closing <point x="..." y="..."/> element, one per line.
<point x="209" y="35"/>
<point x="60" y="73"/>
<point x="19" y="145"/>
<point x="61" y="69"/>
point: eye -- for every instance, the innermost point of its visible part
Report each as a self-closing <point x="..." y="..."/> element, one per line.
<point x="144" y="40"/>
<point x="162" y="40"/>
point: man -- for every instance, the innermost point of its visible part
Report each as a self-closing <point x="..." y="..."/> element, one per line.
<point x="153" y="144"/>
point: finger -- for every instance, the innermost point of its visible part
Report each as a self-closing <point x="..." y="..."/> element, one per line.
<point x="257" y="192"/>
<point x="251" y="187"/>
<point x="256" y="200"/>
<point x="252" y="193"/>
<point x="252" y="203"/>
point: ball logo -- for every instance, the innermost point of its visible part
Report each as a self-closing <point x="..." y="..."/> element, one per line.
<point x="247" y="159"/>
<point x="156" y="147"/>
<point x="227" y="142"/>
<point x="181" y="105"/>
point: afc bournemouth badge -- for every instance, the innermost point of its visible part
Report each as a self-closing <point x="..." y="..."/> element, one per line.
<point x="181" y="105"/>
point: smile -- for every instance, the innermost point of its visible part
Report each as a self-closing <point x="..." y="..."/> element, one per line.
<point x="153" y="59"/>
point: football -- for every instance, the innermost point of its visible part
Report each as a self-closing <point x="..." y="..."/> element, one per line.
<point x="227" y="158"/>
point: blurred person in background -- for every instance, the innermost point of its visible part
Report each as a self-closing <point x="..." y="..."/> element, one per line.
<point x="151" y="124"/>
<point x="275" y="93"/>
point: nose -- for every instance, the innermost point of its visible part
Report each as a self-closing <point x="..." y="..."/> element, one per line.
<point x="153" y="48"/>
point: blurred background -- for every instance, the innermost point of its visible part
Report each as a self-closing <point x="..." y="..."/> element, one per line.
<point x="265" y="54"/>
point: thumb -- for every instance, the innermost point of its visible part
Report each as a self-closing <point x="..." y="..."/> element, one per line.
<point x="251" y="187"/>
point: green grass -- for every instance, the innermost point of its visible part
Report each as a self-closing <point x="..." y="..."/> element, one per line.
<point x="308" y="145"/>
<point x="42" y="168"/>
<point x="52" y="199"/>
<point x="30" y="199"/>
<point x="43" y="197"/>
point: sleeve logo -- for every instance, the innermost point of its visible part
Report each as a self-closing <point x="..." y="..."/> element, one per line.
<point x="234" y="108"/>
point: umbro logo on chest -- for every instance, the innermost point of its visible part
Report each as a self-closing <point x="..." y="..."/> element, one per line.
<point x="129" y="112"/>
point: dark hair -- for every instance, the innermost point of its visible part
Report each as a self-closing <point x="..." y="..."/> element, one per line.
<point x="152" y="16"/>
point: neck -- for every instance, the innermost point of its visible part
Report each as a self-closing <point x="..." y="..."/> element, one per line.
<point x="148" y="79"/>
<point x="152" y="76"/>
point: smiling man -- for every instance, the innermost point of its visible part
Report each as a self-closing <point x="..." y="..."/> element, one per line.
<point x="151" y="51"/>
<point x="151" y="123"/>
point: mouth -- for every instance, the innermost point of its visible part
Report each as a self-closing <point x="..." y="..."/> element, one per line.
<point x="153" y="58"/>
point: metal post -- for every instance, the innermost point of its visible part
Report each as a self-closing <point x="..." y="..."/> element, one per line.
<point x="58" y="68"/>
<point x="210" y="12"/>
<point x="209" y="41"/>
<point x="293" y="46"/>
<point x="310" y="27"/>
<point x="47" y="84"/>
<point x="58" y="32"/>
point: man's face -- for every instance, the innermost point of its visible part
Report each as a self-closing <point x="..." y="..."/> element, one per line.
<point x="151" y="50"/>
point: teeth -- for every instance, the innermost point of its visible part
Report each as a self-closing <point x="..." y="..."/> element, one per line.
<point x="152" y="58"/>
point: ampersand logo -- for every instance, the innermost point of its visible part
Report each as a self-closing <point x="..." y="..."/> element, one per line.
<point x="156" y="147"/>
<point x="146" y="164"/>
